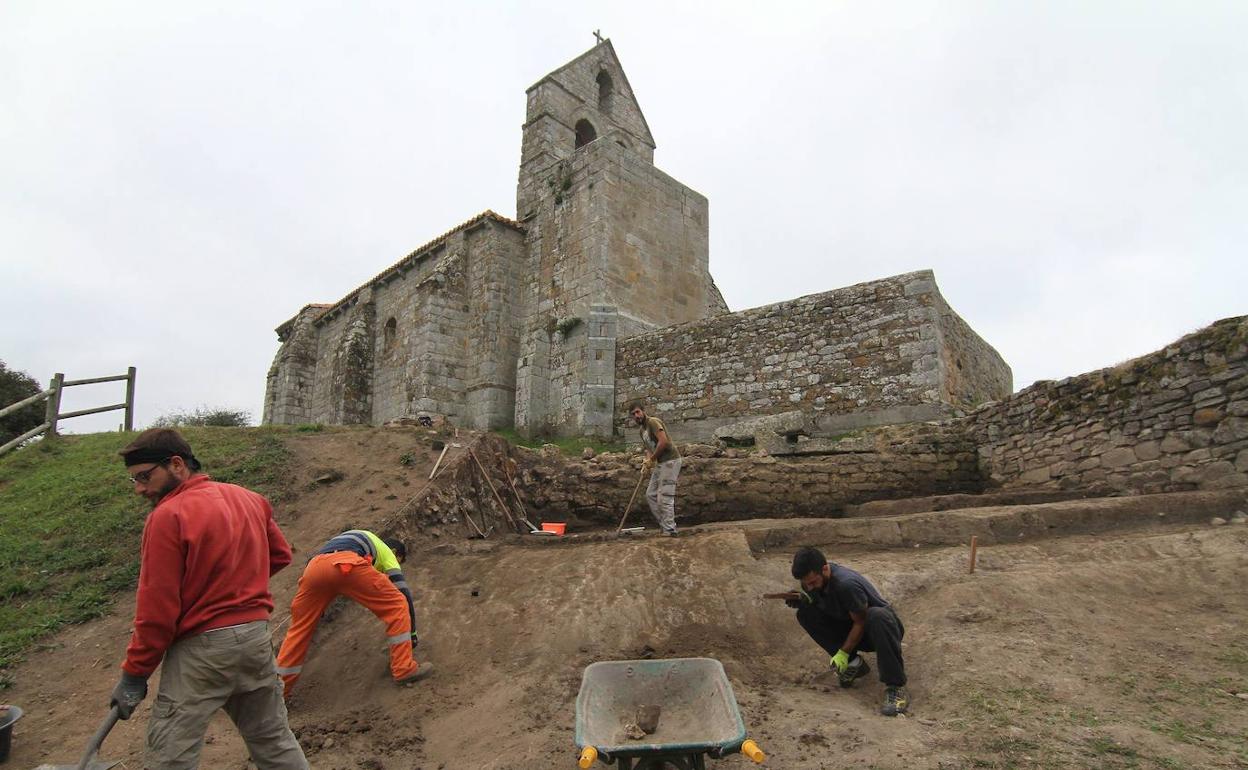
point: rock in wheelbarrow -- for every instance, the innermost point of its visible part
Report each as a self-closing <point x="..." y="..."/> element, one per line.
<point x="648" y="718"/>
<point x="644" y="722"/>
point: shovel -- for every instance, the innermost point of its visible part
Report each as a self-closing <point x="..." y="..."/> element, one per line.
<point x="88" y="761"/>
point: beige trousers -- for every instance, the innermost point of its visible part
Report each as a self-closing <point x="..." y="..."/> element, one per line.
<point x="230" y="669"/>
<point x="661" y="493"/>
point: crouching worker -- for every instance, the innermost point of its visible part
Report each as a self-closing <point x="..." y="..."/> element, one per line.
<point x="364" y="568"/>
<point x="845" y="615"/>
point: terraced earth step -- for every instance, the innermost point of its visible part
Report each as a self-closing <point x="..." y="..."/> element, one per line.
<point x="994" y="524"/>
<point x="963" y="501"/>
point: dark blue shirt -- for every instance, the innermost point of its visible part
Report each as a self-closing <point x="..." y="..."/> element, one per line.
<point x="847" y="592"/>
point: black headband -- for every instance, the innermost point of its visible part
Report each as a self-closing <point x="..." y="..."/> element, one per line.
<point x="157" y="456"/>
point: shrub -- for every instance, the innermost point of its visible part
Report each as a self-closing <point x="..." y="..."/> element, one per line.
<point x="219" y="417"/>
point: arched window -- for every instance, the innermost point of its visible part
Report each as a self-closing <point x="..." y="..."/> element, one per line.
<point x="389" y="335"/>
<point x="585" y="132"/>
<point x="605" y="91"/>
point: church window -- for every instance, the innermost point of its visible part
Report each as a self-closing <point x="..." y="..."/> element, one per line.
<point x="605" y="91"/>
<point x="389" y="335"/>
<point x="585" y="133"/>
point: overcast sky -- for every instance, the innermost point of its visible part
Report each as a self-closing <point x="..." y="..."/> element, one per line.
<point x="178" y="178"/>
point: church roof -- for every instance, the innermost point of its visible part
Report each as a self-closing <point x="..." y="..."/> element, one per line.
<point x="327" y="311"/>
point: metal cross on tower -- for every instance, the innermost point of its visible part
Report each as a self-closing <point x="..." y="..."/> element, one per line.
<point x="598" y="36"/>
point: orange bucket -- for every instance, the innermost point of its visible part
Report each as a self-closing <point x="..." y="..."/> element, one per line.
<point x="556" y="527"/>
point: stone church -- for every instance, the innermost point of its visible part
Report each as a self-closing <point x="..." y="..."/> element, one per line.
<point x="600" y="291"/>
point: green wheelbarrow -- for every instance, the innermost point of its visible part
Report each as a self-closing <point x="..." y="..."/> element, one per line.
<point x="697" y="715"/>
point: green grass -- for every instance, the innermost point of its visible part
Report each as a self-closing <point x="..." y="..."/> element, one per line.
<point x="567" y="445"/>
<point x="70" y="523"/>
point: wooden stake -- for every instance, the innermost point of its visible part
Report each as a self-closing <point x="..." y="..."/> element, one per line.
<point x="506" y="510"/>
<point x="439" y="462"/>
<point x="974" y="547"/>
<point x="524" y="514"/>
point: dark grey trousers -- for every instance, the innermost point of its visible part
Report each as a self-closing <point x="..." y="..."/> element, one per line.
<point x="883" y="637"/>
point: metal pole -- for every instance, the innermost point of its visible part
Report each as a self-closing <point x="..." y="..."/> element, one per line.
<point x="54" y="402"/>
<point x="130" y="399"/>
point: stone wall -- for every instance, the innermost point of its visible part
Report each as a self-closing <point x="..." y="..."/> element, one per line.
<point x="873" y="353"/>
<point x="288" y="387"/>
<point x="559" y="101"/>
<point x="718" y="484"/>
<point x="609" y="229"/>
<point x="437" y="332"/>
<point x="1173" y="420"/>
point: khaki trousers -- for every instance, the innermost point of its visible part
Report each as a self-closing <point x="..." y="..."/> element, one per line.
<point x="230" y="669"/>
<point x="661" y="493"/>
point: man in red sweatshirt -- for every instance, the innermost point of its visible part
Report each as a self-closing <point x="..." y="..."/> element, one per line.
<point x="203" y="608"/>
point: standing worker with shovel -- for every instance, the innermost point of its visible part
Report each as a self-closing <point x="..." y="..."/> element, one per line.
<point x="202" y="611"/>
<point x="664" y="460"/>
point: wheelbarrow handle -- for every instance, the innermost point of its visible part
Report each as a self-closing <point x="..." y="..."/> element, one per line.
<point x="94" y="745"/>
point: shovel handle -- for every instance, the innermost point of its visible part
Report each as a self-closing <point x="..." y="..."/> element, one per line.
<point x="94" y="745"/>
<point x="636" y="489"/>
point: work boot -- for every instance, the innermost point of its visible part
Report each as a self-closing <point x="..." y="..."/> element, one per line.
<point x="895" y="702"/>
<point x="422" y="670"/>
<point x="856" y="668"/>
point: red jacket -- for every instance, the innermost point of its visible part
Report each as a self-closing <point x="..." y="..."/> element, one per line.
<point x="208" y="552"/>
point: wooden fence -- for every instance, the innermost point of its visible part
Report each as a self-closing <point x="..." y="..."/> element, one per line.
<point x="53" y="414"/>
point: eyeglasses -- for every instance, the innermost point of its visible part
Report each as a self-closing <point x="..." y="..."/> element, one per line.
<point x="142" y="477"/>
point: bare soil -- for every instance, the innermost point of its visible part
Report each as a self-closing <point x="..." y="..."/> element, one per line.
<point x="1114" y="650"/>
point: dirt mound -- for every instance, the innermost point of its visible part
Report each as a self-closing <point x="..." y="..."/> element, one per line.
<point x="1115" y="650"/>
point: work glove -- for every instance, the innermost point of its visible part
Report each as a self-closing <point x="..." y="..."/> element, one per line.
<point x="840" y="661"/>
<point x="647" y="464"/>
<point x="128" y="693"/>
<point x="802" y="599"/>
<point x="414" y="640"/>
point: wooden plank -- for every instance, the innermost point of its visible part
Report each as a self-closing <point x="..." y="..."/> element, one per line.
<point x="28" y="434"/>
<point x="54" y="402"/>
<point x="94" y="380"/>
<point x="96" y="410"/>
<point x="129" y="425"/>
<point x="25" y="402"/>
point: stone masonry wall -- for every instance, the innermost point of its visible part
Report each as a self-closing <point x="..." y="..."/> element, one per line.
<point x="437" y="332"/>
<point x="609" y="229"/>
<point x="867" y="354"/>
<point x="1173" y="420"/>
<point x="288" y="388"/>
<point x="719" y="484"/>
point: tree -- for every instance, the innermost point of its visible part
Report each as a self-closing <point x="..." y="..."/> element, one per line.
<point x="15" y="386"/>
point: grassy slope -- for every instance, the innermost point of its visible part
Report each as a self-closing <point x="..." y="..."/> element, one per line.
<point x="70" y="523"/>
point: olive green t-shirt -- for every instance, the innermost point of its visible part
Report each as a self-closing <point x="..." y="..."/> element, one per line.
<point x="650" y="437"/>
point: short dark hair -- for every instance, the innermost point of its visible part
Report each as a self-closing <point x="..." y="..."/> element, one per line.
<point x="806" y="561"/>
<point x="158" y="445"/>
<point x="635" y="405"/>
<point x="396" y="545"/>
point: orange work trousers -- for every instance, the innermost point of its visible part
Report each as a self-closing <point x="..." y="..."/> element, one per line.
<point x="348" y="574"/>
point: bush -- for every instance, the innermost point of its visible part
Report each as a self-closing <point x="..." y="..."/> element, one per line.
<point x="15" y="386"/>
<point x="205" y="416"/>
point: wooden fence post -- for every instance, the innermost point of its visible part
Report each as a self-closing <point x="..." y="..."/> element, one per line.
<point x="54" y="402"/>
<point x="130" y="399"/>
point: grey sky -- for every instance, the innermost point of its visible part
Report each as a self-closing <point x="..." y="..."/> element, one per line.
<point x="176" y="179"/>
